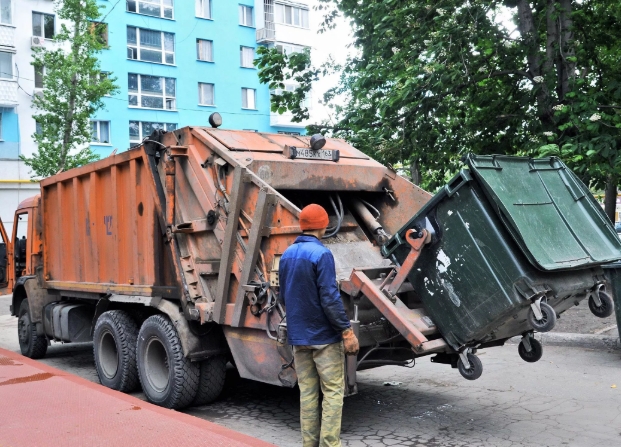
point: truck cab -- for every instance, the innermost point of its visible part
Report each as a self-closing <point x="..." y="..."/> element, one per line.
<point x="21" y="252"/>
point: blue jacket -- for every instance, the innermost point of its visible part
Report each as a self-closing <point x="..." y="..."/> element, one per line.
<point x="307" y="276"/>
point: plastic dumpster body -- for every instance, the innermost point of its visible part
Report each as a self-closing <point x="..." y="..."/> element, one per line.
<point x="613" y="272"/>
<point x="506" y="234"/>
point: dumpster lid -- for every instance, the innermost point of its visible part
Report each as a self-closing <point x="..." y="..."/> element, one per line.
<point x="550" y="213"/>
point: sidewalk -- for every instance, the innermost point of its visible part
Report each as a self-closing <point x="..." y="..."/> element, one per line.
<point x="42" y="406"/>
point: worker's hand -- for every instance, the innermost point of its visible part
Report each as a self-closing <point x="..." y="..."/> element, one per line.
<point x="350" y="342"/>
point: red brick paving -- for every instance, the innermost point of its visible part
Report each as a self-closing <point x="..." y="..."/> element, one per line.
<point x="42" y="406"/>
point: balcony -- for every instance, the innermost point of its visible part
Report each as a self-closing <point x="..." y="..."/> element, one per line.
<point x="284" y="120"/>
<point x="8" y="93"/>
<point x="267" y="34"/>
<point x="7" y="36"/>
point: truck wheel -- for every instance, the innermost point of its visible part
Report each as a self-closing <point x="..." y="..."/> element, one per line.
<point x="114" y="347"/>
<point x="548" y="320"/>
<point x="536" y="351"/>
<point x="475" y="370"/>
<point x="213" y="373"/>
<point x="32" y="345"/>
<point x="606" y="309"/>
<point x="168" y="379"/>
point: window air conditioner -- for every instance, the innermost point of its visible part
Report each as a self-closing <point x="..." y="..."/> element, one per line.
<point x="37" y="42"/>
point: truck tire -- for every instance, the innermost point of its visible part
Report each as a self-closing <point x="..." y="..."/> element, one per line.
<point x="168" y="379"/>
<point x="114" y="348"/>
<point x="213" y="373"/>
<point x="32" y="345"/>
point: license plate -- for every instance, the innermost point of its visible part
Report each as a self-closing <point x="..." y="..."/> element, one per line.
<point x="310" y="154"/>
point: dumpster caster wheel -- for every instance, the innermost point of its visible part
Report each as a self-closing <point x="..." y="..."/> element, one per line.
<point x="535" y="353"/>
<point x="605" y="307"/>
<point x="474" y="370"/>
<point x="547" y="318"/>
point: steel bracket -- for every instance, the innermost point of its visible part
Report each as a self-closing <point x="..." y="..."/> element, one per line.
<point x="463" y="355"/>
<point x="536" y="307"/>
<point x="416" y="241"/>
<point x="595" y="294"/>
<point x="526" y="341"/>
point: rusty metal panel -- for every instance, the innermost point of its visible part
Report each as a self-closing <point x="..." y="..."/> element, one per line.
<point x="100" y="227"/>
<point x="258" y="358"/>
<point x="239" y="140"/>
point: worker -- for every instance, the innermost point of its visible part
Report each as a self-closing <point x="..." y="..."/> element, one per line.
<point x="318" y="329"/>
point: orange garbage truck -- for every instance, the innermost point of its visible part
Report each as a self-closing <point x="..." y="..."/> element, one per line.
<point x="166" y="256"/>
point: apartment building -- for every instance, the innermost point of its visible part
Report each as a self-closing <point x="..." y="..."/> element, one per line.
<point x="178" y="61"/>
<point x="175" y="62"/>
<point x="24" y="24"/>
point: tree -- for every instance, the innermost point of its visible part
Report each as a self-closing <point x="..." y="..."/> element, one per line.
<point x="434" y="80"/>
<point x="275" y="67"/>
<point x="73" y="90"/>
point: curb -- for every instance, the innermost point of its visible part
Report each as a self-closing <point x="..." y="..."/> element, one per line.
<point x="591" y="341"/>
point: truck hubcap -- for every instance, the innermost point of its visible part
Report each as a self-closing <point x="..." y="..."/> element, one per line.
<point x="108" y="355"/>
<point x="156" y="364"/>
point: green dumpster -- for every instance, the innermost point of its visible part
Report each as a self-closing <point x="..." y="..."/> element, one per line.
<point x="515" y="241"/>
<point x="613" y="272"/>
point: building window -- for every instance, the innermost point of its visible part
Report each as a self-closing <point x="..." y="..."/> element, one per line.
<point x="290" y="49"/>
<point x="284" y="132"/>
<point x="245" y="15"/>
<point x="98" y="77"/>
<point x="249" y="98"/>
<point x="155" y="8"/>
<point x="0" y="126"/>
<point x="43" y="25"/>
<point x="204" y="50"/>
<point x="291" y="15"/>
<point x="247" y="57"/>
<point x="291" y="88"/>
<point x="100" y="132"/>
<point x="203" y="9"/>
<point x="151" y="92"/>
<point x="38" y="128"/>
<point x="6" y="65"/>
<point x="206" y="94"/>
<point x="150" y="46"/>
<point x="39" y="73"/>
<point x="100" y="31"/>
<point x="139" y="130"/>
<point x="6" y="14"/>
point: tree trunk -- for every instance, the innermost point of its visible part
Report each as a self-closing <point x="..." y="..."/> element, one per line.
<point x="75" y="53"/>
<point x="610" y="198"/>
<point x="528" y="31"/>
<point x="552" y="37"/>
<point x="566" y="68"/>
<point x="415" y="172"/>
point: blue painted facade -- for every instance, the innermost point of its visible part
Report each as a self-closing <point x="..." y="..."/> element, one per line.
<point x="225" y="72"/>
<point x="9" y="140"/>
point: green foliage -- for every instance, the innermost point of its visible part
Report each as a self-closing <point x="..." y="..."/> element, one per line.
<point x="431" y="81"/>
<point x="276" y="67"/>
<point x="73" y="90"/>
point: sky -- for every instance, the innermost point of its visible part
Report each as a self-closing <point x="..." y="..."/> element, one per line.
<point x="334" y="43"/>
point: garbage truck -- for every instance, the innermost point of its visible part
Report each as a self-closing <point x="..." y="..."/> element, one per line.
<point x="166" y="257"/>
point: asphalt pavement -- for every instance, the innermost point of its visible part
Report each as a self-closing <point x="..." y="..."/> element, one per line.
<point x="569" y="398"/>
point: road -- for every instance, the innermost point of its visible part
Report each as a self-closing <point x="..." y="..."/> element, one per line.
<point x="572" y="397"/>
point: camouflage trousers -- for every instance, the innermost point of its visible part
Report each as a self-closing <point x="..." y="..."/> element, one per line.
<point x="321" y="367"/>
